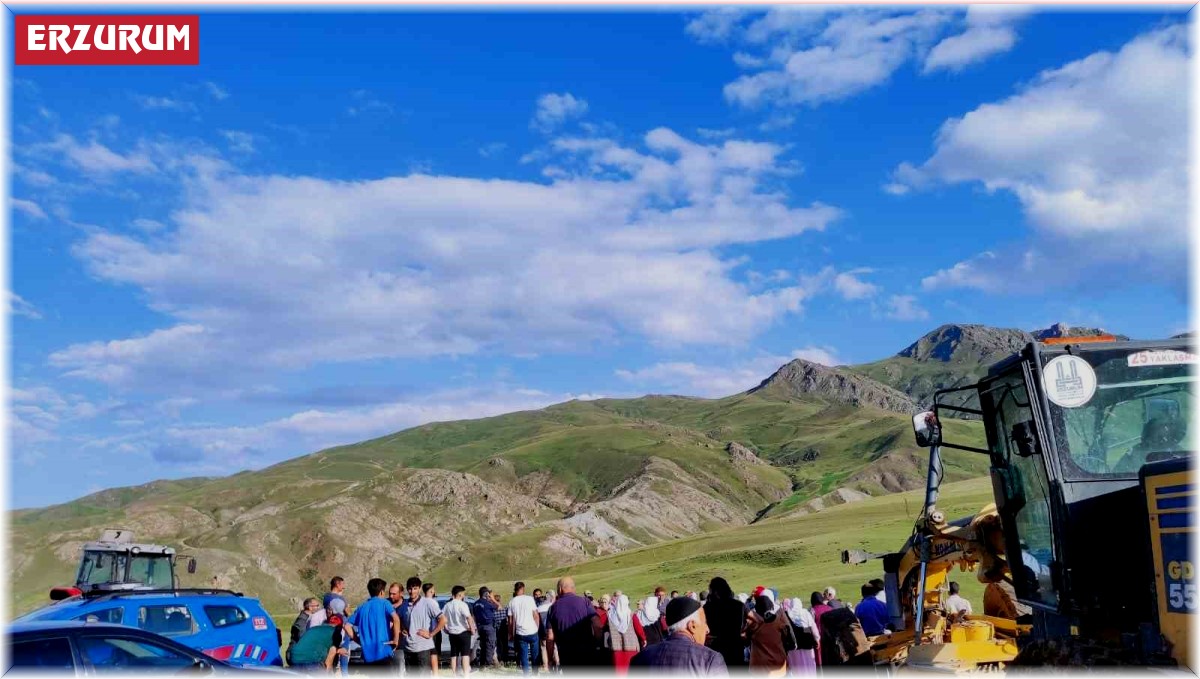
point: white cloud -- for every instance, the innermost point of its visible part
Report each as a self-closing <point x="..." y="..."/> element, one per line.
<point x="28" y="207"/>
<point x="555" y="109"/>
<point x="812" y="55"/>
<point x="207" y="449"/>
<point x="905" y="308"/>
<point x="714" y="381"/>
<point x="493" y="149"/>
<point x="219" y="93"/>
<point x="1096" y="153"/>
<point x="19" y="307"/>
<point x="714" y="26"/>
<point x="37" y="414"/>
<point x="850" y="286"/>
<point x="818" y="57"/>
<point x="147" y="225"/>
<point x="163" y="103"/>
<point x="182" y="349"/>
<point x="621" y="245"/>
<point x="364" y="102"/>
<point x="95" y="158"/>
<point x="239" y="142"/>
<point x="990" y="30"/>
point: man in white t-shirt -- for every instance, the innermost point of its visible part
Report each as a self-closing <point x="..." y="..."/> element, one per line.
<point x="956" y="606"/>
<point x="523" y="622"/>
<point x="460" y="625"/>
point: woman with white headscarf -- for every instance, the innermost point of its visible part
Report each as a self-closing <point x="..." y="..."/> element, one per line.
<point x="803" y="660"/>
<point x="648" y="618"/>
<point x="623" y="628"/>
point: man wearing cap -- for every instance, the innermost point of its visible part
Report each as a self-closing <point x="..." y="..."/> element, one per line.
<point x="683" y="651"/>
<point x="484" y="611"/>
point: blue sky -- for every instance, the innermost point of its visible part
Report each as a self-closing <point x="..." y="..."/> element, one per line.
<point x="339" y="226"/>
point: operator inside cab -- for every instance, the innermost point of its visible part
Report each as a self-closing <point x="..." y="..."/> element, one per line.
<point x="1160" y="434"/>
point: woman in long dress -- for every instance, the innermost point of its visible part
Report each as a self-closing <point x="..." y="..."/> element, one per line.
<point x="803" y="660"/>
<point x="622" y="635"/>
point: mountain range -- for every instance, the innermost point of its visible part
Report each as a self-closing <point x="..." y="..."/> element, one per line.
<point x="528" y="492"/>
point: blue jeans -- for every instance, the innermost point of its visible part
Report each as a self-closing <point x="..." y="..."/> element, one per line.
<point x="527" y="651"/>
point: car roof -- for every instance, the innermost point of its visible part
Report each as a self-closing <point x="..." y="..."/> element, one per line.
<point x="82" y="604"/>
<point x="53" y="625"/>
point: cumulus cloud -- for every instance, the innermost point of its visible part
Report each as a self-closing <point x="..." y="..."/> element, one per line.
<point x="555" y="109"/>
<point x="715" y="381"/>
<point x="990" y="30"/>
<point x="265" y="272"/>
<point x="814" y="57"/>
<point x="811" y="55"/>
<point x="1096" y="153"/>
<point x="850" y="286"/>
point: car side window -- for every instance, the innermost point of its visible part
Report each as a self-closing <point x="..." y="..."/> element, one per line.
<point x="172" y="619"/>
<point x="224" y="616"/>
<point x="109" y="615"/>
<point x="52" y="655"/>
<point x="125" y="654"/>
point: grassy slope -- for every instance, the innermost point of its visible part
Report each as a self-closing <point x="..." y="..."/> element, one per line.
<point x="588" y="447"/>
<point x="796" y="555"/>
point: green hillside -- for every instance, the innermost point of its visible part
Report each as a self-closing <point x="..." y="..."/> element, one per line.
<point x="525" y="492"/>
<point x="795" y="555"/>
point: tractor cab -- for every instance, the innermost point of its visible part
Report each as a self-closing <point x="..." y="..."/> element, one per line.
<point x="116" y="562"/>
<point x="1074" y="425"/>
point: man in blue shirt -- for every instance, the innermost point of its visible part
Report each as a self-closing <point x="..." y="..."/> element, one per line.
<point x="485" y="611"/>
<point x="872" y="613"/>
<point x="377" y="625"/>
<point x="337" y="585"/>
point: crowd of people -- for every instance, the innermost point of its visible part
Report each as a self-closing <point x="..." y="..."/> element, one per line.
<point x="399" y="629"/>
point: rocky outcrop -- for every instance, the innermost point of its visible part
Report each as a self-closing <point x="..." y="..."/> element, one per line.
<point x="739" y="453"/>
<point x="800" y="378"/>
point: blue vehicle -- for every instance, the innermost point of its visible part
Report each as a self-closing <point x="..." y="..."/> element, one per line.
<point x="219" y="623"/>
<point x="95" y="648"/>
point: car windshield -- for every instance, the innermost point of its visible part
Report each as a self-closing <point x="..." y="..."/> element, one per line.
<point x="1114" y="410"/>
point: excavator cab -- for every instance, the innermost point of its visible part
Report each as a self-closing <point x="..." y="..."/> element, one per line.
<point x="1078" y="429"/>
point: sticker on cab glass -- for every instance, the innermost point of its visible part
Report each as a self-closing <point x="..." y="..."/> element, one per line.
<point x="260" y="623"/>
<point x="1161" y="357"/>
<point x="1069" y="381"/>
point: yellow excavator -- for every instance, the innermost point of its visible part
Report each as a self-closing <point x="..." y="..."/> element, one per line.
<point x="1092" y="474"/>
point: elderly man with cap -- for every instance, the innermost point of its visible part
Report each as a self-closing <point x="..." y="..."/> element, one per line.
<point x="683" y="651"/>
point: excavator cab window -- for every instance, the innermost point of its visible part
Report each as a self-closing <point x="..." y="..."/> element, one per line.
<point x="1023" y="484"/>
<point x="1138" y="412"/>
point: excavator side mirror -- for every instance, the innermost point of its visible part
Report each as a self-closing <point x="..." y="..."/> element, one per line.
<point x="1025" y="439"/>
<point x="191" y="566"/>
<point x="927" y="429"/>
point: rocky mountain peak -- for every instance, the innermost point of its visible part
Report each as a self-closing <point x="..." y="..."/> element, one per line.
<point x="984" y="344"/>
<point x="966" y="342"/>
<point x="801" y="378"/>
